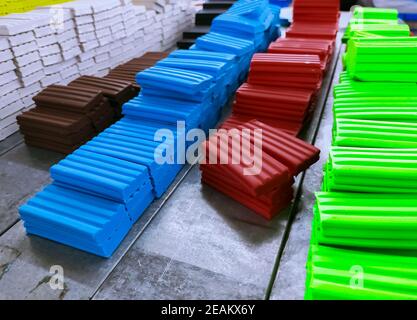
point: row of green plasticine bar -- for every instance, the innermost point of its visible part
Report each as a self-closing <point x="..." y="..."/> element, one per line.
<point x="364" y="233"/>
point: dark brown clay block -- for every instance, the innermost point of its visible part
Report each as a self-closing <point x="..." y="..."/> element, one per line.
<point x="111" y="88"/>
<point x="53" y="121"/>
<point x="68" y="99"/>
<point x="50" y="145"/>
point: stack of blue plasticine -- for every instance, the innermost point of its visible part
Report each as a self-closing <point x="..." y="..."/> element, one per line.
<point x="101" y="190"/>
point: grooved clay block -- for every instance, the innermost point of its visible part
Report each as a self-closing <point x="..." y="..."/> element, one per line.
<point x="268" y="190"/>
<point x="286" y="70"/>
<point x="65" y="118"/>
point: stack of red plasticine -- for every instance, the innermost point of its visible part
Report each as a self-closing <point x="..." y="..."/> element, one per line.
<point x="315" y="19"/>
<point x="283" y="84"/>
<point x="262" y="182"/>
<point x="281" y="94"/>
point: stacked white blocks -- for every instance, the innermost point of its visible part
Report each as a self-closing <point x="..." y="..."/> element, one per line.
<point x="57" y="44"/>
<point x="20" y="71"/>
<point x="169" y="18"/>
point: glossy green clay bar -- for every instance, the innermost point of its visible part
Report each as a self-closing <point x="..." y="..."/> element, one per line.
<point x="371" y="170"/>
<point x="386" y="221"/>
<point x="386" y="60"/>
<point x="335" y="273"/>
<point x="374" y="134"/>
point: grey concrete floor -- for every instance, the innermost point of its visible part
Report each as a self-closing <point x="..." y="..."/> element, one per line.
<point x="193" y="243"/>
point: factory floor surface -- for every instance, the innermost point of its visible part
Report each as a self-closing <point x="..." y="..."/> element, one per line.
<point x="193" y="243"/>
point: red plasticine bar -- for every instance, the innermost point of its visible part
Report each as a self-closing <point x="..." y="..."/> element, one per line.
<point x="294" y="153"/>
<point x="234" y="120"/>
<point x="284" y="108"/>
<point x="267" y="205"/>
<point x="323" y="11"/>
<point x="286" y="70"/>
<point x="322" y="48"/>
<point x="307" y="30"/>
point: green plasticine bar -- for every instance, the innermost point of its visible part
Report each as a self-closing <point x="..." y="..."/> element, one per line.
<point x="380" y="46"/>
<point x="398" y="262"/>
<point x="349" y="88"/>
<point x="392" y="109"/>
<point x="385" y="275"/>
<point x="399" y="102"/>
<point x="363" y="220"/>
<point x="381" y="40"/>
<point x="374" y="134"/>
<point x="362" y="16"/>
<point x="371" y="170"/>
<point x="384" y="77"/>
<point x="326" y="290"/>
<point x="389" y="67"/>
<point x="386" y="30"/>
<point x="374" y="68"/>
<point x="362" y="22"/>
<point x="395" y="63"/>
<point x="404" y="244"/>
<point x="409" y="115"/>
<point x="358" y="21"/>
<point x="345" y="91"/>
<point x="375" y="13"/>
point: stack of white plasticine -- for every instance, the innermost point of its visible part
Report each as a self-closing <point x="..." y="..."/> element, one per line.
<point x="168" y="20"/>
<point x="57" y="44"/>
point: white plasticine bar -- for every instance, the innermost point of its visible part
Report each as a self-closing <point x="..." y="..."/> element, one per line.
<point x="51" y="60"/>
<point x="47" y="40"/>
<point x="33" y="78"/>
<point x="11" y="118"/>
<point x="6" y="55"/>
<point x="8" y="77"/>
<point x="69" y="44"/>
<point x="4" y="43"/>
<point x="85" y="19"/>
<point x="26" y="59"/>
<point x="30" y="90"/>
<point x="30" y="69"/>
<point x="25" y="49"/>
<point x="9" y="87"/>
<point x="11" y="27"/>
<point x="22" y="38"/>
<point x="50" y="79"/>
<point x="86" y="37"/>
<point x="72" y="53"/>
<point x="7" y="66"/>
<point x="9" y="98"/>
<point x="6" y="132"/>
<point x="49" y="50"/>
